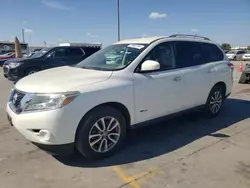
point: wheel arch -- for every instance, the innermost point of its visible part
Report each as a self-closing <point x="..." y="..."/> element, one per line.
<point x="117" y="105"/>
<point x="222" y="85"/>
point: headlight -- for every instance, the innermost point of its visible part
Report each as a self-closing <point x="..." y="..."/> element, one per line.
<point x="33" y="102"/>
<point x="14" y="65"/>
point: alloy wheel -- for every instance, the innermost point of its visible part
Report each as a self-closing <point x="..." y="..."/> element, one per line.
<point x="104" y="134"/>
<point x="215" y="102"/>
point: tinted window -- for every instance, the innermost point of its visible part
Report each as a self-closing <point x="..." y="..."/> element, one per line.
<point x="240" y="52"/>
<point x="90" y="51"/>
<point x="61" y="52"/>
<point x="212" y="52"/>
<point x="164" y="54"/>
<point x="74" y="52"/>
<point x="188" y="54"/>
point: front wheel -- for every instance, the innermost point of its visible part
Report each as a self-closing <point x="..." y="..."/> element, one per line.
<point x="101" y="132"/>
<point x="31" y="71"/>
<point x="214" y="101"/>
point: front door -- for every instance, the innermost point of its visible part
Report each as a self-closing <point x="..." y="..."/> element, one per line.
<point x="158" y="93"/>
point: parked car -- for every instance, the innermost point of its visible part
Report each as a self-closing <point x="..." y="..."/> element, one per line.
<point x="46" y="58"/>
<point x="246" y="56"/>
<point x="90" y="106"/>
<point x="235" y="55"/>
<point x="7" y="56"/>
<point x="245" y="75"/>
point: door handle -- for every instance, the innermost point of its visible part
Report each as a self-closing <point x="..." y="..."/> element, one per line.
<point x="177" y="79"/>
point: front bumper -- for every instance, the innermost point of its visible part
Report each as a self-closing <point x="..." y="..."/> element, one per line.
<point x="64" y="149"/>
<point x="11" y="74"/>
<point x="59" y="123"/>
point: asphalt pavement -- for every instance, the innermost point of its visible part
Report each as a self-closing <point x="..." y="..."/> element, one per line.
<point x="187" y="151"/>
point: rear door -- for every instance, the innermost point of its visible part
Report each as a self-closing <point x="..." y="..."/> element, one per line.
<point x="74" y="55"/>
<point x="198" y="74"/>
<point x="223" y="67"/>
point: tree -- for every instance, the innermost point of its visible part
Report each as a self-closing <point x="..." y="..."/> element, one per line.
<point x="226" y="46"/>
<point x="248" y="47"/>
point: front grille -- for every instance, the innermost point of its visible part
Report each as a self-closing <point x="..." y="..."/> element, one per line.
<point x="6" y="69"/>
<point x="15" y="100"/>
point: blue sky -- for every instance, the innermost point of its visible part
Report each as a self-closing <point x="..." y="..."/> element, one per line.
<point x="56" y="21"/>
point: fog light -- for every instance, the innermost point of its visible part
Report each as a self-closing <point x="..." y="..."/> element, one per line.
<point x="45" y="135"/>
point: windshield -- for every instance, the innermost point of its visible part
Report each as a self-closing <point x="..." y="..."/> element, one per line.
<point x="41" y="52"/>
<point x="113" y="57"/>
<point x="231" y="52"/>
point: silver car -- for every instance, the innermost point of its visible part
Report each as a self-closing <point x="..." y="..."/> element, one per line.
<point x="235" y="55"/>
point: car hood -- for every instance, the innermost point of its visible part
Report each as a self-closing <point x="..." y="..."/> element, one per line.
<point x="230" y="54"/>
<point x="62" y="79"/>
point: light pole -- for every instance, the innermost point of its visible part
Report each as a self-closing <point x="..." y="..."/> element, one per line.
<point x="23" y="35"/>
<point x="118" y="19"/>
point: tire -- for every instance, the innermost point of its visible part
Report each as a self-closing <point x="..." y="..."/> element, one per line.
<point x="234" y="59"/>
<point x="31" y="71"/>
<point x="243" y="78"/>
<point x="87" y="127"/>
<point x="214" y="101"/>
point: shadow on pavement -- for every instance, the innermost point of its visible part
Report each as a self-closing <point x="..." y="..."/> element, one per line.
<point x="167" y="136"/>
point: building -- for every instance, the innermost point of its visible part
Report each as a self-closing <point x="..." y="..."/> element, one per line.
<point x="239" y="48"/>
<point x="6" y="46"/>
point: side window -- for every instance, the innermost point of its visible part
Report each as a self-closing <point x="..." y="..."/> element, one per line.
<point x="163" y="54"/>
<point x="57" y="53"/>
<point x="212" y="52"/>
<point x="240" y="52"/>
<point x="74" y="52"/>
<point x="188" y="54"/>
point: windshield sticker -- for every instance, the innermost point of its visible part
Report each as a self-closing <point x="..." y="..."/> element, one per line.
<point x="137" y="46"/>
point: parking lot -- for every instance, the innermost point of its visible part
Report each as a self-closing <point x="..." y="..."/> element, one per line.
<point x="187" y="151"/>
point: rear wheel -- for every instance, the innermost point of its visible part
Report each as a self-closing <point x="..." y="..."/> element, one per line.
<point x="101" y="132"/>
<point x="215" y="101"/>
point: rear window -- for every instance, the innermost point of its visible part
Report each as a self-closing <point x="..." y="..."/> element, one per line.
<point x="212" y="52"/>
<point x="74" y="52"/>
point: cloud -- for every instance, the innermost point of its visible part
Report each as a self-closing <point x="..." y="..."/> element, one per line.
<point x="56" y="5"/>
<point x="91" y="35"/>
<point x="28" y="31"/>
<point x="156" y="15"/>
<point x="195" y="30"/>
<point x="144" y="35"/>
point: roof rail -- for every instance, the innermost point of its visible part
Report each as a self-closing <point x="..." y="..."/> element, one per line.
<point x="186" y="35"/>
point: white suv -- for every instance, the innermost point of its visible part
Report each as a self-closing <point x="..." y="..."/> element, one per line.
<point x="90" y="106"/>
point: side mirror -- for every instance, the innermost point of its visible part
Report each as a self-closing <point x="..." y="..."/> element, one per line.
<point x="150" y="65"/>
<point x="48" y="56"/>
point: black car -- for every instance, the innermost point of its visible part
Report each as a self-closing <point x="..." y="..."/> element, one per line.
<point x="15" y="69"/>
